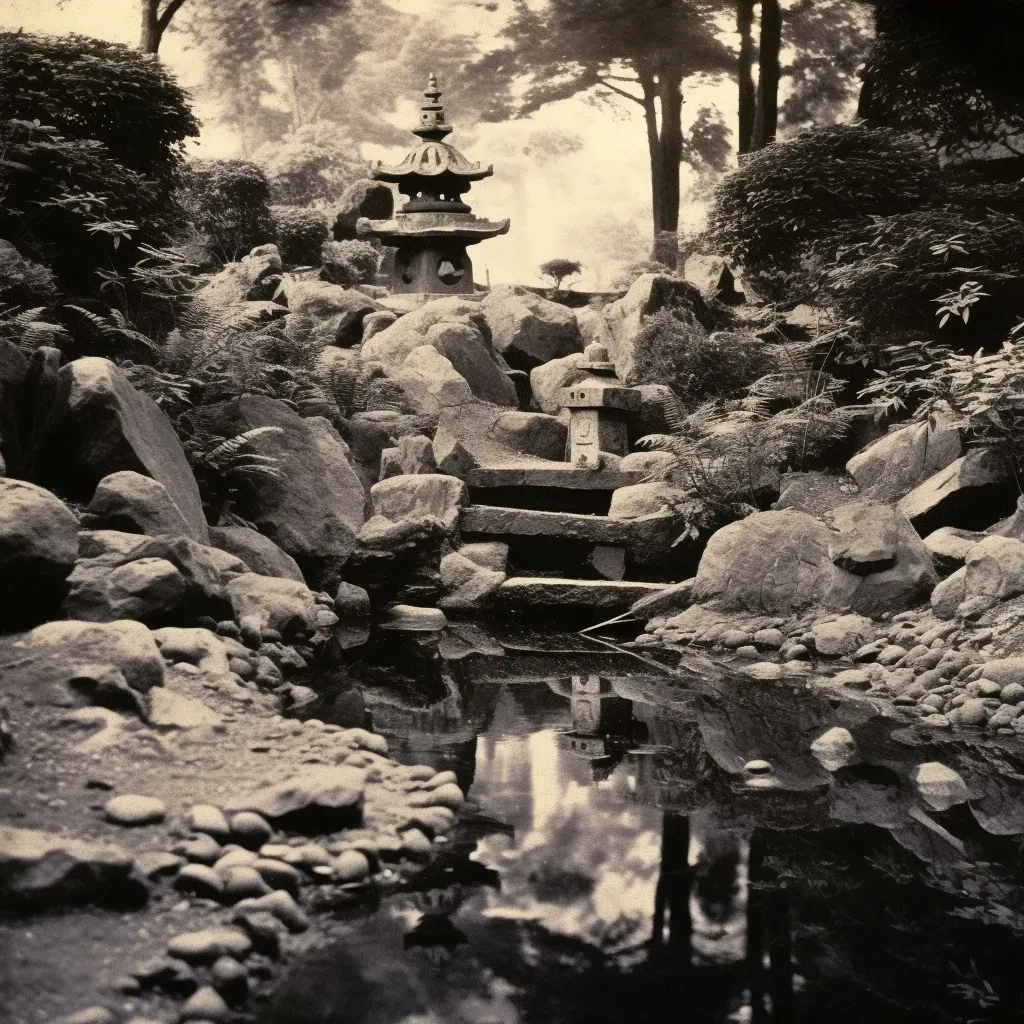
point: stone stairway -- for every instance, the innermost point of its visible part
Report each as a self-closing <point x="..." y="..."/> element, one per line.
<point x="564" y="550"/>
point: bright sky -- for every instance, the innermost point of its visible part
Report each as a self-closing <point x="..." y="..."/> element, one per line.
<point x="567" y="207"/>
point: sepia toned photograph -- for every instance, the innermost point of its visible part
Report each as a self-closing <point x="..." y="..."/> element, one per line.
<point x="511" y="512"/>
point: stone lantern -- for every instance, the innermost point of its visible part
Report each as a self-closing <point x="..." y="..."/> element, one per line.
<point x="432" y="230"/>
<point x="599" y="408"/>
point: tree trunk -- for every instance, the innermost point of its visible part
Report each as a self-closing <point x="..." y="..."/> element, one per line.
<point x="671" y="90"/>
<point x="770" y="71"/>
<point x="151" y="31"/>
<point x="745" y="74"/>
<point x="653" y="147"/>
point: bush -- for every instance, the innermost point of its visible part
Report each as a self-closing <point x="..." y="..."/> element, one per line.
<point x="301" y="233"/>
<point x="632" y="271"/>
<point x="75" y="209"/>
<point x="673" y="349"/>
<point x="350" y="262"/>
<point x="788" y="197"/>
<point x="892" y="277"/>
<point x="92" y="89"/>
<point x="228" y="203"/>
<point x="313" y="163"/>
<point x="22" y="282"/>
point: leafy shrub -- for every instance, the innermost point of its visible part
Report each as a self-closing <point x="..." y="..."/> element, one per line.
<point x="313" y="163"/>
<point x="891" y="277"/>
<point x="350" y="262"/>
<point x="93" y="89"/>
<point x="673" y="349"/>
<point x="91" y="137"/>
<point x="228" y="203"/>
<point x="729" y="455"/>
<point x="984" y="392"/>
<point x="301" y="233"/>
<point x="786" y="198"/>
<point x="23" y="282"/>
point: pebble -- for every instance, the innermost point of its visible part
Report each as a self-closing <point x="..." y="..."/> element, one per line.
<point x="835" y="749"/>
<point x="759" y="767"/>
<point x="983" y="688"/>
<point x="890" y="655"/>
<point x="210" y="820"/>
<point x="747" y="651"/>
<point x="733" y="638"/>
<point x="765" y="671"/>
<point x="155" y="863"/>
<point x="208" y="945"/>
<point x="353" y="866"/>
<point x="250" y="829"/>
<point x="230" y="979"/>
<point x="770" y="638"/>
<point x="936" y="721"/>
<point x="855" y="678"/>
<point x="235" y="859"/>
<point x="167" y="974"/>
<point x="414" y="844"/>
<point x="204" y="849"/>
<point x="205" y="1004"/>
<point x="242" y="883"/>
<point x="264" y="929"/>
<point x="972" y="714"/>
<point x="1012" y="693"/>
<point x="133" y="810"/>
<point x="281" y="905"/>
<point x="92" y="1015"/>
<point x="311" y="855"/>
<point x="199" y="880"/>
<point x="277" y="874"/>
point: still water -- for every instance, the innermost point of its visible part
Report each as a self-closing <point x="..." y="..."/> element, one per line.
<point x="616" y="860"/>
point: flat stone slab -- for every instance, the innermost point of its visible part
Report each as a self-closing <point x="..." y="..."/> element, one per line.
<point x="551" y="474"/>
<point x="598" y="595"/>
<point x="495" y="520"/>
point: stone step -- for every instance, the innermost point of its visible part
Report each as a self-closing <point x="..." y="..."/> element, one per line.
<point x="496" y="520"/>
<point x="540" y="592"/>
<point x="551" y="474"/>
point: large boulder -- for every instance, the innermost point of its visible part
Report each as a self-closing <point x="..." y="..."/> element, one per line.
<point x="161" y="580"/>
<point x="416" y="496"/>
<point x="38" y="548"/>
<point x="264" y="603"/>
<point x="548" y="379"/>
<point x="254" y="279"/>
<point x="529" y="330"/>
<point x="972" y="492"/>
<point x="895" y="464"/>
<point x="314" y="507"/>
<point x="467" y="586"/>
<point x="58" y="652"/>
<point x="870" y="561"/>
<point x="994" y="572"/>
<point x="391" y="346"/>
<point x="99" y="424"/>
<point x="259" y="553"/>
<point x="412" y="456"/>
<point x="133" y="503"/>
<point x="430" y="383"/>
<point x="457" y="332"/>
<point x="337" y="312"/>
<point x="483" y="435"/>
<point x="363" y="198"/>
<point x="648" y="294"/>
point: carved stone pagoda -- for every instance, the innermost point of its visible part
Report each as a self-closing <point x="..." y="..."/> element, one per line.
<point x="432" y="230"/>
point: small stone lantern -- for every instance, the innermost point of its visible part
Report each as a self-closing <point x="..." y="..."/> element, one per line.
<point x="599" y="408"/>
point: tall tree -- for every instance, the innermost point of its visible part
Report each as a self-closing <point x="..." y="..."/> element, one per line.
<point x="766" y="117"/>
<point x="745" y="74"/>
<point x="640" y="50"/>
<point x="156" y="17"/>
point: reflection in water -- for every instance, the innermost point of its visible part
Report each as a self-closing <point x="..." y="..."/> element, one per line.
<point x="606" y="869"/>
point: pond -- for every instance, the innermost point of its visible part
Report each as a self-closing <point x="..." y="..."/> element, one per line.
<point x="623" y="857"/>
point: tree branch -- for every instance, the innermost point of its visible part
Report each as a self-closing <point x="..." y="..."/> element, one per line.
<point x="622" y="92"/>
<point x="168" y="13"/>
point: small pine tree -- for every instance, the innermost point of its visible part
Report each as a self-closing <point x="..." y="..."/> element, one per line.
<point x="559" y="269"/>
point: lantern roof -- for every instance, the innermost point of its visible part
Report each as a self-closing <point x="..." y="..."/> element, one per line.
<point x="433" y="157"/>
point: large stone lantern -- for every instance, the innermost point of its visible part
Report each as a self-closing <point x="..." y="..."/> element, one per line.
<point x="432" y="230"/>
